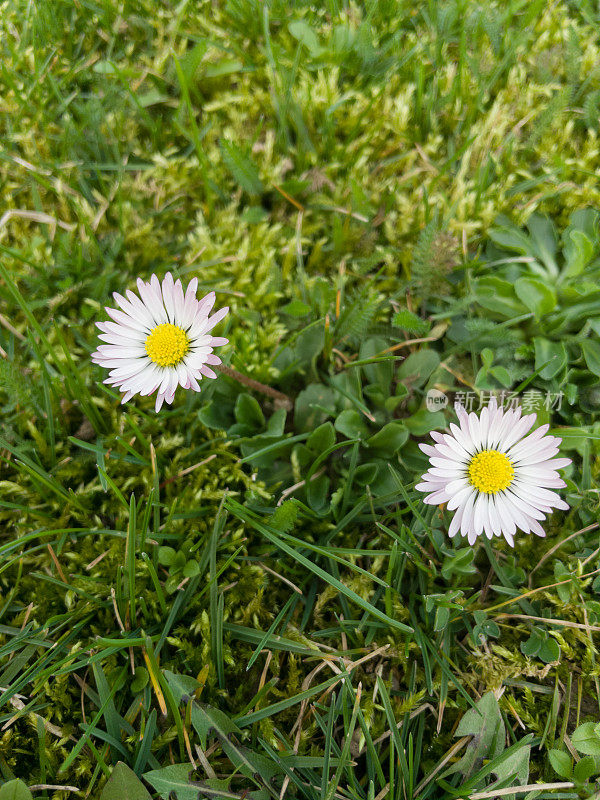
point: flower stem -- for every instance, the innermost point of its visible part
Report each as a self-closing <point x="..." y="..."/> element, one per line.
<point x="281" y="400"/>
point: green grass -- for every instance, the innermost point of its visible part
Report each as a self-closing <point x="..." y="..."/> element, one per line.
<point x="261" y="590"/>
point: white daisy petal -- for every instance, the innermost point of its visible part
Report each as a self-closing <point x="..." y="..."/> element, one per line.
<point x="160" y="340"/>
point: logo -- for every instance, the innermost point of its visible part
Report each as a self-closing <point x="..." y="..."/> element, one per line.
<point x="435" y="400"/>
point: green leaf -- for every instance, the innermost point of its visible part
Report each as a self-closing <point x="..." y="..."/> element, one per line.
<point x="182" y="686"/>
<point x="389" y="439"/>
<point x="485" y="724"/>
<point x="591" y="353"/>
<point x="543" y="237"/>
<point x="191" y="568"/>
<point x="561" y="573"/>
<point x="322" y="438"/>
<point x="296" y="309"/>
<point x="124" y="783"/>
<point x="537" y="296"/>
<point x="381" y="372"/>
<point x="207" y="720"/>
<point x="351" y="424"/>
<point x="302" y="31"/>
<point x="140" y="680"/>
<point x="411" y="322"/>
<point x="167" y="556"/>
<point x="276" y="424"/>
<point x="215" y="415"/>
<point x="174" y="778"/>
<point x="554" y="352"/>
<point x="365" y="474"/>
<point x="15" y="790"/>
<point x="531" y="647"/>
<point x="317" y="491"/>
<point x="487" y="357"/>
<point x="241" y="167"/>
<point x="248" y="411"/>
<point x="586" y="740"/>
<point x="418" y="367"/>
<point x="580" y="242"/>
<point x="424" y="421"/>
<point x="502" y="375"/>
<point x="499" y="296"/>
<point x="285" y="516"/>
<point x="561" y="763"/>
<point x="313" y="405"/>
<point x="585" y="769"/>
<point x="516" y="765"/>
<point x="549" y="651"/>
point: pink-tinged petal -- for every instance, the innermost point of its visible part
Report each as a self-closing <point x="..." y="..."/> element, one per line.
<point x="459" y="498"/>
<point x="206" y="303"/>
<point x="436" y="498"/>
<point x="135" y="310"/>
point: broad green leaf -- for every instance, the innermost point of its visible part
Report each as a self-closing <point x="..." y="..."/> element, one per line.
<point x="485" y="724"/>
<point x="296" y="309"/>
<point x="516" y="765"/>
<point x="124" y="784"/>
<point x="166" y="555"/>
<point x="591" y="353"/>
<point x="322" y="438"/>
<point x="584" y="769"/>
<point x="317" y="491"/>
<point x="531" y="647"/>
<point x="418" y="367"/>
<point x="502" y="375"/>
<point x="174" y="778"/>
<point x="543" y="238"/>
<point x="366" y="473"/>
<point x="499" y="296"/>
<point x="536" y="295"/>
<point x="302" y="31"/>
<point x="15" y="790"/>
<point x="351" y="424"/>
<point x="562" y="763"/>
<point x="211" y="721"/>
<point x="313" y="405"/>
<point x="140" y="679"/>
<point x="585" y="739"/>
<point x="548" y="351"/>
<point x="580" y="241"/>
<point x="389" y="439"/>
<point x="215" y="415"/>
<point x="248" y="411"/>
<point x="510" y="237"/>
<point x="549" y="651"/>
<point x="424" y="421"/>
<point x="380" y="372"/>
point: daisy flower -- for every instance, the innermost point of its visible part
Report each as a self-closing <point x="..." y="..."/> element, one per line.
<point x="494" y="477"/>
<point x="159" y="340"/>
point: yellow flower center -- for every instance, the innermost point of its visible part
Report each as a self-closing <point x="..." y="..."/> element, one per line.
<point x="167" y="345"/>
<point x="490" y="472"/>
